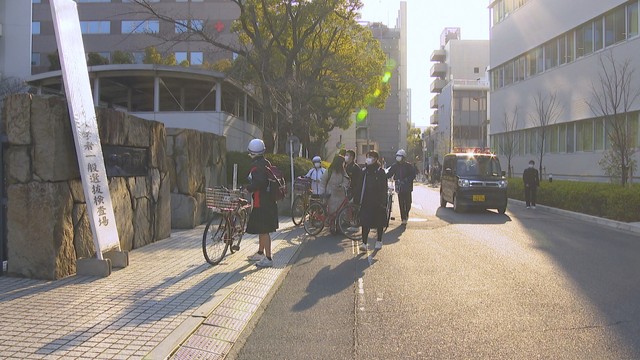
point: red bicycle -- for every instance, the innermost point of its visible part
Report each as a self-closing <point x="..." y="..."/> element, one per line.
<point x="345" y="218"/>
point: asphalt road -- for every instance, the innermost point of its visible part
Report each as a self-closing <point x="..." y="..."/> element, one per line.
<point x="524" y="285"/>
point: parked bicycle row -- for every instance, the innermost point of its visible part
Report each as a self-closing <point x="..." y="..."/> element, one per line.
<point x="348" y="198"/>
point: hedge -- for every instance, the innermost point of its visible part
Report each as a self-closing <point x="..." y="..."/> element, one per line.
<point x="604" y="200"/>
<point x="300" y="165"/>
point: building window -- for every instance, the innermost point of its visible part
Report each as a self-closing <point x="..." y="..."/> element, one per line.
<point x="597" y="35"/>
<point x="197" y="58"/>
<point x="534" y="60"/>
<point x="570" y="138"/>
<point x="35" y="28"/>
<point x="508" y="73"/>
<point x="476" y="70"/>
<point x="633" y="127"/>
<point x="138" y="57"/>
<point x="551" y="54"/>
<point x="35" y="59"/>
<point x="95" y="27"/>
<point x="182" y="26"/>
<point x="181" y="56"/>
<point x="584" y="40"/>
<point x="562" y="138"/>
<point x="553" y="139"/>
<point x="140" y="26"/>
<point x="632" y="19"/>
<point x="521" y="68"/>
<point x="614" y="26"/>
<point x="599" y="134"/>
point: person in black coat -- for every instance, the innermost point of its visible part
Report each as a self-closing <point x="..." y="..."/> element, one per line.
<point x="264" y="215"/>
<point x="373" y="200"/>
<point x="403" y="173"/>
<point x="531" y="181"/>
<point x="354" y="172"/>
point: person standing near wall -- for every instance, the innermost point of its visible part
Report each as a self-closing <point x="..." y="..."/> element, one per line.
<point x="531" y="180"/>
<point x="263" y="219"/>
<point x="354" y="172"/>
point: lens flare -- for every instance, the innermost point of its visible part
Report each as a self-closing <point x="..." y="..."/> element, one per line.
<point x="386" y="77"/>
<point x="362" y="114"/>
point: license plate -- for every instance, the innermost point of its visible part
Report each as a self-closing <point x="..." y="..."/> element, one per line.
<point x="478" y="197"/>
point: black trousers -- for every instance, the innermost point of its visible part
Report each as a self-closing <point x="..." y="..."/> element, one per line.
<point x="530" y="193"/>
<point x="404" y="202"/>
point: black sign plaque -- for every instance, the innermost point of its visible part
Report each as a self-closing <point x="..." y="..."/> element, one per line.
<point x="125" y="161"/>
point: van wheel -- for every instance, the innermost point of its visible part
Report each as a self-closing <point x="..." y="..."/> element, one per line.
<point x="443" y="202"/>
<point x="456" y="204"/>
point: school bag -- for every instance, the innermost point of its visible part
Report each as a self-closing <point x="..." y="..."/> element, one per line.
<point x="276" y="184"/>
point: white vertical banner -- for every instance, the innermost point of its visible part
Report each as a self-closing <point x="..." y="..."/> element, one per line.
<point x="85" y="126"/>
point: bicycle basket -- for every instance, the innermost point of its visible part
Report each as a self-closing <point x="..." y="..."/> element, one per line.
<point x="302" y="185"/>
<point x="222" y="199"/>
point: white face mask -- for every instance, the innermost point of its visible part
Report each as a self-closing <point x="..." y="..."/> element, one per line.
<point x="369" y="161"/>
<point x="317" y="165"/>
<point x="398" y="158"/>
<point x="347" y="158"/>
<point x="530" y="166"/>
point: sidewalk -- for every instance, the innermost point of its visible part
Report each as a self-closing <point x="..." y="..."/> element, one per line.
<point x="146" y="310"/>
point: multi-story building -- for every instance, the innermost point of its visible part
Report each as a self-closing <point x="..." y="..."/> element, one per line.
<point x="385" y="130"/>
<point x="15" y="38"/>
<point x="121" y="25"/>
<point x="460" y="87"/>
<point x="541" y="49"/>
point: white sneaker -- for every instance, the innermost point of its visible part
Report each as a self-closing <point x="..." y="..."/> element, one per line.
<point x="264" y="262"/>
<point x="378" y="245"/>
<point x="528" y="207"/>
<point x="533" y="207"/>
<point x="364" y="247"/>
<point x="255" y="257"/>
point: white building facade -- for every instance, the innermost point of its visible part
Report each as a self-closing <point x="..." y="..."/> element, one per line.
<point x="460" y="88"/>
<point x="544" y="48"/>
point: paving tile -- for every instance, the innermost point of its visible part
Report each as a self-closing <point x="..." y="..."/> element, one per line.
<point x="189" y="354"/>
<point x="217" y="333"/>
<point x="133" y="309"/>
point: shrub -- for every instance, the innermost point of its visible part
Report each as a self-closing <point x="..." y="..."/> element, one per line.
<point x="610" y="201"/>
<point x="300" y="165"/>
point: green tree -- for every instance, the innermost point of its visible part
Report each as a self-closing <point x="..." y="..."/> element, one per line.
<point x="414" y="144"/>
<point x="152" y="56"/>
<point x="121" y="57"/>
<point x="311" y="61"/>
<point x="54" y="61"/>
<point x="96" y="59"/>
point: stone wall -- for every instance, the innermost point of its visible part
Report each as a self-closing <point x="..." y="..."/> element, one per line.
<point x="196" y="160"/>
<point x="47" y="224"/>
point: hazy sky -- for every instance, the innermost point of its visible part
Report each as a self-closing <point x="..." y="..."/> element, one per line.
<point x="426" y="20"/>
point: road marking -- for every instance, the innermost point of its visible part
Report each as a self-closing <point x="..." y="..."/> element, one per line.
<point x="361" y="299"/>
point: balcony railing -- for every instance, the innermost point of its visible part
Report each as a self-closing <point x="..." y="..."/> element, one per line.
<point x="434" y="102"/>
<point x="439" y="70"/>
<point x="439" y="55"/>
<point x="434" y="117"/>
<point x="437" y="85"/>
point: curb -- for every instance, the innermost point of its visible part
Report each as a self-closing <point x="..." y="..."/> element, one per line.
<point x="255" y="318"/>
<point x="619" y="225"/>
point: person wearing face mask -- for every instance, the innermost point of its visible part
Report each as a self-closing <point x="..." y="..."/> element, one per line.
<point x="264" y="215"/>
<point x="315" y="174"/>
<point x="373" y="200"/>
<point x="354" y="172"/>
<point x="531" y="181"/>
<point x="403" y="173"/>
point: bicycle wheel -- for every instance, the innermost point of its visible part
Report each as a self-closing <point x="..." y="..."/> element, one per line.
<point x="349" y="222"/>
<point x="297" y="210"/>
<point x="213" y="245"/>
<point x="389" y="206"/>
<point x="314" y="218"/>
<point x="239" y="225"/>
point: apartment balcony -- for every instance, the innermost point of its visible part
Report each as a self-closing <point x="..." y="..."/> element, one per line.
<point x="439" y="55"/>
<point x="434" y="118"/>
<point x="439" y="70"/>
<point x="434" y="102"/>
<point x="437" y="85"/>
